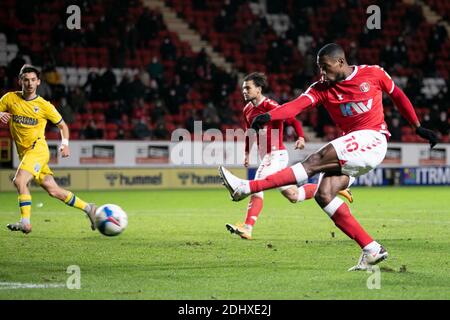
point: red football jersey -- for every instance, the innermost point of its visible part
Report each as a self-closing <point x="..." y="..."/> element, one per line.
<point x="354" y="103"/>
<point x="273" y="135"/>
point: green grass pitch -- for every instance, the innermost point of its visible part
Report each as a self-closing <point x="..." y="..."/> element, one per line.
<point x="176" y="247"/>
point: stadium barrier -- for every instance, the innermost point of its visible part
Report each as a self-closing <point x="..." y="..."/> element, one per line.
<point x="128" y="179"/>
<point x="164" y="154"/>
<point x="110" y="165"/>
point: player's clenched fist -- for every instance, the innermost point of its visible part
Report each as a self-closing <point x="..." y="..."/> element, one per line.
<point x="428" y="135"/>
<point x="4" y="117"/>
<point x="260" y="121"/>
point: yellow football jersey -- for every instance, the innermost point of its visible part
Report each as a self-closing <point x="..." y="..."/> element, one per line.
<point x="28" y="118"/>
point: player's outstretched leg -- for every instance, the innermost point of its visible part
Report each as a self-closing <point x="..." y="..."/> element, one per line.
<point x="238" y="188"/>
<point x="50" y="185"/>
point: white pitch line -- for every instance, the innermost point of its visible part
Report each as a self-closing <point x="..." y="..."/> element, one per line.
<point x="20" y="285"/>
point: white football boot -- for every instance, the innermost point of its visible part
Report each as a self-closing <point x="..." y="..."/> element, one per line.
<point x="367" y="259"/>
<point x="239" y="188"/>
<point x="91" y="214"/>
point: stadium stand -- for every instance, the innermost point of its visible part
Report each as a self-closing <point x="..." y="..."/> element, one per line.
<point x="124" y="68"/>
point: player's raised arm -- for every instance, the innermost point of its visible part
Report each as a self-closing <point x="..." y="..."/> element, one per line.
<point x="64" y="148"/>
<point x="406" y="109"/>
<point x="286" y="111"/>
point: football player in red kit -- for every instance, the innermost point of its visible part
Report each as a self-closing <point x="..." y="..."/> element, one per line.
<point x="271" y="150"/>
<point x="353" y="97"/>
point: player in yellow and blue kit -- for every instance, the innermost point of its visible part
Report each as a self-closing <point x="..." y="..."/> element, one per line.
<point x="27" y="115"/>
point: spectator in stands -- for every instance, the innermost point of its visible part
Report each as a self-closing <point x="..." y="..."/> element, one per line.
<point x="108" y="83"/>
<point x="222" y="21"/>
<point x="274" y="57"/>
<point x="137" y="89"/>
<point x="121" y="135"/>
<point x="160" y="131"/>
<point x="93" y="87"/>
<point x="54" y="80"/>
<point x="77" y="99"/>
<point x="156" y="70"/>
<point x="250" y="37"/>
<point x="210" y="111"/>
<point x="141" y="130"/>
<point x="44" y="90"/>
<point x="65" y="110"/>
<point x="113" y="113"/>
<point x="4" y="80"/>
<point x="91" y="131"/>
<point x="309" y="63"/>
<point x="211" y="122"/>
<point x="438" y="36"/>
<point x="191" y="118"/>
<point x="399" y="53"/>
<point x="159" y="111"/>
<point x="131" y="39"/>
<point x="14" y="67"/>
<point x="144" y="77"/>
<point x="168" y="50"/>
<point x="124" y="90"/>
<point x="148" y="27"/>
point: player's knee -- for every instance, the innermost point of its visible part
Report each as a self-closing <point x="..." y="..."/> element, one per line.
<point x="20" y="182"/>
<point x="323" y="197"/>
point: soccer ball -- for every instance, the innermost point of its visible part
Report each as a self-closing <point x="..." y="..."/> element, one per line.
<point x="110" y="220"/>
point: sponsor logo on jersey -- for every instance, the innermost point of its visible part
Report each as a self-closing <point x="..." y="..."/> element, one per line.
<point x="364" y="87"/>
<point x="353" y="108"/>
<point x="24" y="120"/>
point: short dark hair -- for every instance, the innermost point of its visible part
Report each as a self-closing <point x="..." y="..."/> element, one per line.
<point x="332" y="50"/>
<point x="26" y="68"/>
<point x="258" y="78"/>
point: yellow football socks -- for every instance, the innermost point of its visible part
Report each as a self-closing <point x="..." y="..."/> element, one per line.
<point x="74" y="201"/>
<point x="25" y="207"/>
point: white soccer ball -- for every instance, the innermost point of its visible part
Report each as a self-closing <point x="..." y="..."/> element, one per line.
<point x="110" y="219"/>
